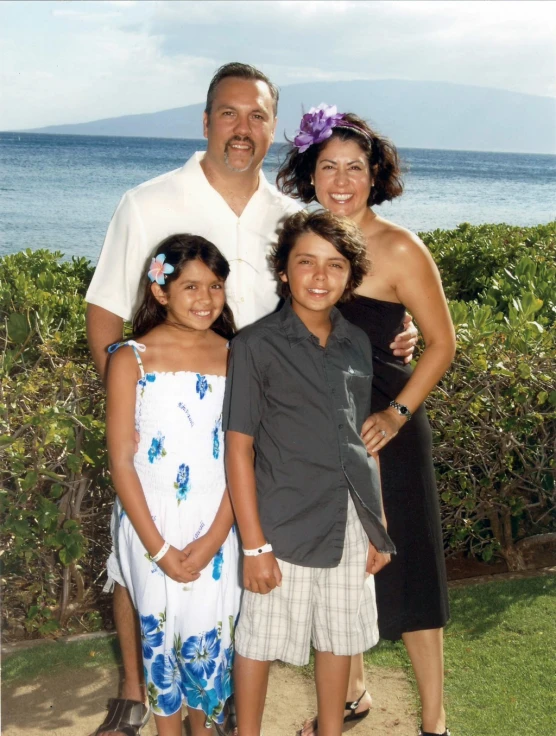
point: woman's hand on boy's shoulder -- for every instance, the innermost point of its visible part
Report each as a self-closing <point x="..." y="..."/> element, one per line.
<point x="376" y="560"/>
<point x="261" y="574"/>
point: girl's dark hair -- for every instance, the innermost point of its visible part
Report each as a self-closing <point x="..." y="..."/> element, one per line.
<point x="179" y="251"/>
<point x="341" y="232"/>
<point x="294" y="176"/>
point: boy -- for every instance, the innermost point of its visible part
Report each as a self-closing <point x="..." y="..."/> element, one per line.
<point x="306" y="493"/>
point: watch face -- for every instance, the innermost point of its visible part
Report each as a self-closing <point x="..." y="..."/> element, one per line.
<point x="403" y="410"/>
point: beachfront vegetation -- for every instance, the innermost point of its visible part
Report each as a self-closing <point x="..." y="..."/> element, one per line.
<point x="493" y="417"/>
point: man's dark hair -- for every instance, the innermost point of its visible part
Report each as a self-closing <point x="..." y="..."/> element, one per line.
<point x="341" y="232"/>
<point x="240" y="71"/>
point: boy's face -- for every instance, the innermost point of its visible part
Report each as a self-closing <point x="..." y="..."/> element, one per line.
<point x="317" y="274"/>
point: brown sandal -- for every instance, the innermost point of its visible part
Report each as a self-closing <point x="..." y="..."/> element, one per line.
<point x="229" y="724"/>
<point x="125" y="716"/>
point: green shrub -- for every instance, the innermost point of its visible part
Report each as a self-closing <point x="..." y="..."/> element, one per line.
<point x="496" y="263"/>
<point x="54" y="494"/>
<point x="494" y="421"/>
<point x="493" y="416"/>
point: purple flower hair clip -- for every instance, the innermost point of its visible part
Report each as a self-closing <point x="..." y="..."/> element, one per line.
<point x="317" y="125"/>
<point x="158" y="270"/>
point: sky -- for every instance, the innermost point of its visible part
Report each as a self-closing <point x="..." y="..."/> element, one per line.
<point x="74" y="61"/>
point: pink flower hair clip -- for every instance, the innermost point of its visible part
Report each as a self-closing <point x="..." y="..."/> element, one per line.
<point x="158" y="270"/>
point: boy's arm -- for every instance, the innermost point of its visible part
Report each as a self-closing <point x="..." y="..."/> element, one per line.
<point x="377" y="560"/>
<point x="261" y="574"/>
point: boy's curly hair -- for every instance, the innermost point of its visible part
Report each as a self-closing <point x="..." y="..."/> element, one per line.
<point x="341" y="232"/>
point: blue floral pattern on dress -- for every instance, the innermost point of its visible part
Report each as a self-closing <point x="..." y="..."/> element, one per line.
<point x="216" y="441"/>
<point x="202" y="385"/>
<point x="201" y="652"/>
<point x="151" y="636"/>
<point x="166" y="675"/>
<point x="217" y="561"/>
<point x="156" y="450"/>
<point x="182" y="482"/>
<point x="178" y="416"/>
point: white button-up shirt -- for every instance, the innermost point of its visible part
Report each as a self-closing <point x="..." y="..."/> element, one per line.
<point x="183" y="201"/>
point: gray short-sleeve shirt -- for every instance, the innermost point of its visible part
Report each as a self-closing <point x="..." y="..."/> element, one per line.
<point x="304" y="405"/>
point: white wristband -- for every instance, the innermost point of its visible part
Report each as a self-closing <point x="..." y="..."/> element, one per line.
<point x="259" y="551"/>
<point x="159" y="555"/>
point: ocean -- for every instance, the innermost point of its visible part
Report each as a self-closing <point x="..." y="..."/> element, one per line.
<point x="60" y="191"/>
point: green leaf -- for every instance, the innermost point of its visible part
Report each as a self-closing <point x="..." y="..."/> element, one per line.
<point x="18" y="328"/>
<point x="30" y="480"/>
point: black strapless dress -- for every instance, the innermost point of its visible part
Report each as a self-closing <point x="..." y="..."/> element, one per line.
<point x="412" y="592"/>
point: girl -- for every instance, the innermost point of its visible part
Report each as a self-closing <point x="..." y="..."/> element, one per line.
<point x="177" y="547"/>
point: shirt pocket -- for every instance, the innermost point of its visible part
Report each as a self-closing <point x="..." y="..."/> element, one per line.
<point x="358" y="385"/>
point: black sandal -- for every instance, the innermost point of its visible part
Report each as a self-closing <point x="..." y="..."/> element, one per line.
<point x="126" y="716"/>
<point x="430" y="733"/>
<point x="351" y="716"/>
<point x="352" y="707"/>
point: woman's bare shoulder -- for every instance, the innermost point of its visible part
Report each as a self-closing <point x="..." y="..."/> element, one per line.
<point x="399" y="241"/>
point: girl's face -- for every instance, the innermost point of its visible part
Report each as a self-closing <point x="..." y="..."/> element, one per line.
<point x="342" y="178"/>
<point x="195" y="299"/>
<point x="317" y="274"/>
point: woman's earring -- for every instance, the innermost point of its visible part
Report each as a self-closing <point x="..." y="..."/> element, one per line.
<point x="312" y="182"/>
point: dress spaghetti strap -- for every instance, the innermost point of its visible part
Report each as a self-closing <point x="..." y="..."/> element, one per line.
<point x="137" y="348"/>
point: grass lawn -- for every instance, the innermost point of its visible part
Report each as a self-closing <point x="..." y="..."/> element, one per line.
<point x="500" y="651"/>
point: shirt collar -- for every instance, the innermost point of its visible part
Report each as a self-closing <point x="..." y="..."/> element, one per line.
<point x="296" y="331"/>
<point x="193" y="167"/>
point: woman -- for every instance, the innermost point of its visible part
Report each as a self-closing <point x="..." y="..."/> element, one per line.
<point x="340" y="162"/>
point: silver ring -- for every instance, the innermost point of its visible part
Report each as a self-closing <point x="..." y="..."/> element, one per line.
<point x="383" y="432"/>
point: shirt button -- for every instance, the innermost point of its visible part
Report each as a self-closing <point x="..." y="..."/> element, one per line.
<point x="340" y="426"/>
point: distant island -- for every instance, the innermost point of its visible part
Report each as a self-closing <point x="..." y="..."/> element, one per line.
<point x="413" y="114"/>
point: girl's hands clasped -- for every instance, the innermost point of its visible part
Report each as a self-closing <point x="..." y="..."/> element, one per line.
<point x="173" y="564"/>
<point x="199" y="553"/>
<point x="378" y="429"/>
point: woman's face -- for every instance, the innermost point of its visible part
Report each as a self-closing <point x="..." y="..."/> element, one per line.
<point x="342" y="178"/>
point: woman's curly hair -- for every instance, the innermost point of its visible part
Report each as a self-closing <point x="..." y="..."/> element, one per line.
<point x="341" y="232"/>
<point x="294" y="176"/>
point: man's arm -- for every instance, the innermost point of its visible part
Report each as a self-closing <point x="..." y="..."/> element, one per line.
<point x="103" y="329"/>
<point x="404" y="343"/>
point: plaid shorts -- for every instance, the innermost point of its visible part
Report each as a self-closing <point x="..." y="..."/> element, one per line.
<point x="332" y="608"/>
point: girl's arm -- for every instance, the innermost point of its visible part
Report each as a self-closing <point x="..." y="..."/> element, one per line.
<point x="121" y="385"/>
<point x="202" y="550"/>
<point x="261" y="573"/>
<point x="418" y="286"/>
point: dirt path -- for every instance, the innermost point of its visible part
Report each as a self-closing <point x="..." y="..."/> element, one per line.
<point x="72" y="703"/>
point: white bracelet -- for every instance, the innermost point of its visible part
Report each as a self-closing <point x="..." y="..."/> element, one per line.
<point x="165" y="547"/>
<point x="259" y="551"/>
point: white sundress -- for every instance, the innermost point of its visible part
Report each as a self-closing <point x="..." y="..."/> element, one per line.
<point x="186" y="629"/>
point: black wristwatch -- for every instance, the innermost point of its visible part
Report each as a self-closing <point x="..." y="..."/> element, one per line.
<point x="401" y="409"/>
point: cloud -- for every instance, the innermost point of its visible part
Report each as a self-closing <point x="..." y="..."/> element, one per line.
<point x="82" y="61"/>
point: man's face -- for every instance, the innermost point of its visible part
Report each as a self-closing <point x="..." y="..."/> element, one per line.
<point x="241" y="125"/>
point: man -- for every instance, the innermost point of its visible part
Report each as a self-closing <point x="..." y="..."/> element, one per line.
<point x="223" y="196"/>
